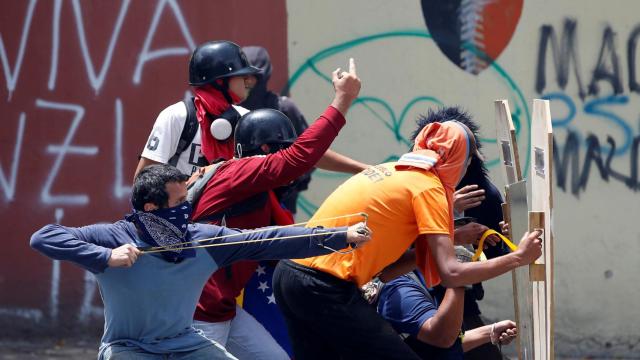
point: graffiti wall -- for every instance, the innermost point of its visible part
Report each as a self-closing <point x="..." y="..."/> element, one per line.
<point x="81" y="86"/>
<point x="414" y="55"/>
<point x="84" y="80"/>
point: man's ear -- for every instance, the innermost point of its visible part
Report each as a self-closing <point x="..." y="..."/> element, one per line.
<point x="265" y="148"/>
<point x="150" y="206"/>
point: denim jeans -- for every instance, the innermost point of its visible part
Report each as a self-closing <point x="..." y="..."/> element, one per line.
<point x="244" y="337"/>
<point x="123" y="352"/>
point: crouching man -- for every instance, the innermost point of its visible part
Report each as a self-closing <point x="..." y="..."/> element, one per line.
<point x="149" y="298"/>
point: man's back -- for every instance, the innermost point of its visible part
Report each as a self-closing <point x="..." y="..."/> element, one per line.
<point x="400" y="205"/>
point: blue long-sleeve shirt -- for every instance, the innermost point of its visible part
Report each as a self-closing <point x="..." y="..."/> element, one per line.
<point x="150" y="305"/>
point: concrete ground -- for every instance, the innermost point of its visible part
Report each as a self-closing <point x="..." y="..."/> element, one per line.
<point x="48" y="349"/>
<point x="70" y="349"/>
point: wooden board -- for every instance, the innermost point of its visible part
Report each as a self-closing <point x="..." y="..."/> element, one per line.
<point x="542" y="204"/>
<point x="516" y="195"/>
<point x="507" y="145"/>
<point x="517" y="216"/>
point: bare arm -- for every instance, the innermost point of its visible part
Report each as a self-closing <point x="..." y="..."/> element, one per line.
<point x="455" y="274"/>
<point x="503" y="331"/>
<point x="334" y="161"/>
<point x="476" y="337"/>
<point x="143" y="163"/>
<point x="467" y="234"/>
<point x="443" y="328"/>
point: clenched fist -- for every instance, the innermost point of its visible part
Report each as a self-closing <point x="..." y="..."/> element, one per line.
<point x="123" y="256"/>
<point x="530" y="247"/>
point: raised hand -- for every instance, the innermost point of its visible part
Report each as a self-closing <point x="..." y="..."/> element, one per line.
<point x="347" y="87"/>
<point x="468" y="197"/>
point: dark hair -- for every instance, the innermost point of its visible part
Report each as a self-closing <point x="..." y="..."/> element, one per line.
<point x="150" y="185"/>
<point x="456" y="113"/>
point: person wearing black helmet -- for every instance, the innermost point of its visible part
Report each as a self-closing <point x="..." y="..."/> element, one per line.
<point x="240" y="194"/>
<point x="194" y="133"/>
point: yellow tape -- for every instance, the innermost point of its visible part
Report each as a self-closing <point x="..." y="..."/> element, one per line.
<point x="485" y="235"/>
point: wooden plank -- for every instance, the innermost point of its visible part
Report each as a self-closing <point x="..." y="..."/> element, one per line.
<point x="536" y="271"/>
<point x="516" y="195"/>
<point x="542" y="203"/>
<point x="517" y="217"/>
<point x="507" y="144"/>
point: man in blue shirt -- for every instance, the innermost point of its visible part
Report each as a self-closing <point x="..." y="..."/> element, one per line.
<point x="432" y="330"/>
<point x="149" y="298"/>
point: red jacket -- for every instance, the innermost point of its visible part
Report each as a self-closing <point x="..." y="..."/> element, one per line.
<point x="239" y="179"/>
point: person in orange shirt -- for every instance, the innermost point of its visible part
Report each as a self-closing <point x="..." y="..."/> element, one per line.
<point x="408" y="201"/>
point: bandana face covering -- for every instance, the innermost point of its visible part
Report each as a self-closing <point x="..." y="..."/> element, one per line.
<point x="166" y="227"/>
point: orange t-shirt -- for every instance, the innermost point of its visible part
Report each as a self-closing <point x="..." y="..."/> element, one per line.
<point x="401" y="205"/>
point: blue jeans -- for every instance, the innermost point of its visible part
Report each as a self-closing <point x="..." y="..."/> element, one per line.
<point x="244" y="337"/>
<point x="122" y="352"/>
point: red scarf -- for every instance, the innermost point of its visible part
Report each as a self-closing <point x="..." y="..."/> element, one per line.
<point x="208" y="100"/>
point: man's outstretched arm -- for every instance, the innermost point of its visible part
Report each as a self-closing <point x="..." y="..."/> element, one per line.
<point x="455" y="274"/>
<point x="283" y="243"/>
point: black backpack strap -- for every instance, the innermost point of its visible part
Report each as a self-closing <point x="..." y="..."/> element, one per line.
<point x="188" y="131"/>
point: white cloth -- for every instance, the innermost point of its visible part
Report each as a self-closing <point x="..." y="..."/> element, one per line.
<point x="162" y="143"/>
<point x="244" y="337"/>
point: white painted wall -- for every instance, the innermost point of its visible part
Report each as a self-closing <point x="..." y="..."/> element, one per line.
<point x="597" y="314"/>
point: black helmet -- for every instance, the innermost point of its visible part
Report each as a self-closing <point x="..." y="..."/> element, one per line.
<point x="216" y="60"/>
<point x="263" y="126"/>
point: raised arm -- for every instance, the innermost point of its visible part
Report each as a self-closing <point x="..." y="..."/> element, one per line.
<point x="247" y="176"/>
<point x="331" y="160"/>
